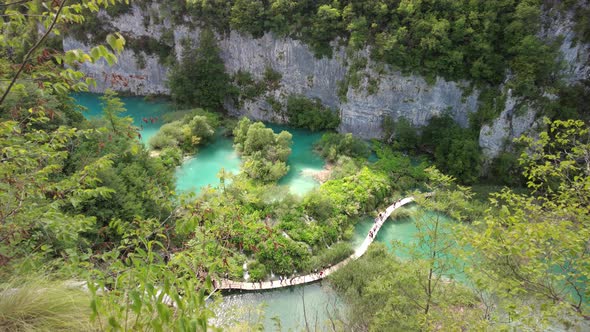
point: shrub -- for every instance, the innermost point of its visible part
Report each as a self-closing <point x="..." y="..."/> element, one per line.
<point x="333" y="255"/>
<point x="264" y="152"/>
<point x="160" y="141"/>
<point x="333" y="145"/>
<point x="311" y="114"/>
<point x="257" y="271"/>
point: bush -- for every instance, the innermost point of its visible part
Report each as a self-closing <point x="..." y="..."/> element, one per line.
<point x="195" y="128"/>
<point x="333" y="255"/>
<point x="333" y="145"/>
<point x="161" y="141"/>
<point x="311" y="114"/>
<point x="200" y="78"/>
<point x="456" y="150"/>
<point x="264" y="152"/>
<point x="257" y="271"/>
<point x="171" y="156"/>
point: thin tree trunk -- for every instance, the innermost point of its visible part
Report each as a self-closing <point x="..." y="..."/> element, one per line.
<point x="30" y="52"/>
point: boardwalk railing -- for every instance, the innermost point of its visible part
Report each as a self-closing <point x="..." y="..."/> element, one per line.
<point x="226" y="284"/>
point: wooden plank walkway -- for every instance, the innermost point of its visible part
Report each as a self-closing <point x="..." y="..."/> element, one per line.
<point x="226" y="284"/>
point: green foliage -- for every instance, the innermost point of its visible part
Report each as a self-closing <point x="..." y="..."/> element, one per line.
<point x="257" y="271"/>
<point x="404" y="174"/>
<point x="333" y="145"/>
<point x="146" y="293"/>
<point x="200" y="78"/>
<point x="573" y="102"/>
<point x="163" y="48"/>
<point x="246" y="16"/>
<point x="249" y="88"/>
<point x="272" y="78"/>
<point x="385" y="294"/>
<point x="171" y="157"/>
<point x="553" y="271"/>
<point x="401" y="134"/>
<point x="333" y="255"/>
<point x="456" y="150"/>
<point x="33" y="196"/>
<point x="311" y="114"/>
<point x="461" y="39"/>
<point x="355" y="194"/>
<point x="83" y="202"/>
<point x="506" y="169"/>
<point x="196" y="127"/>
<point x="264" y="152"/>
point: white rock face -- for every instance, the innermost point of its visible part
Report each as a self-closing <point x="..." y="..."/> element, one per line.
<point x="494" y="138"/>
<point x="362" y="113"/>
<point x="576" y="55"/>
<point x="302" y="73"/>
<point x="126" y="75"/>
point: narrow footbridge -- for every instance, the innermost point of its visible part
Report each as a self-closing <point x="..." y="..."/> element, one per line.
<point x="226" y="284"/>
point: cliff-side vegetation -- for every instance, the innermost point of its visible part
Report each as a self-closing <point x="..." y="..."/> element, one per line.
<point x="455" y="150"/>
<point x="481" y="41"/>
<point x="311" y="114"/>
<point x="199" y="79"/>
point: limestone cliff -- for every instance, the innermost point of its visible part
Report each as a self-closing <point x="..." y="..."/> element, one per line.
<point x="557" y="26"/>
<point x="362" y="112"/>
<point x="387" y="93"/>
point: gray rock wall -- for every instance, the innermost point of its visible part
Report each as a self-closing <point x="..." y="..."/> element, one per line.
<point x="511" y="124"/>
<point x="302" y="73"/>
<point x="362" y="113"/>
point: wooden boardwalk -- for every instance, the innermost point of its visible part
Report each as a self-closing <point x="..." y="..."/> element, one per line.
<point x="226" y="284"/>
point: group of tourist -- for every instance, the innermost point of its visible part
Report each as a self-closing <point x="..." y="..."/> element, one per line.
<point x="380" y="219"/>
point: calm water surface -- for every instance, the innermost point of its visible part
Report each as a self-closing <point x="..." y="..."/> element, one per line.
<point x="137" y="108"/>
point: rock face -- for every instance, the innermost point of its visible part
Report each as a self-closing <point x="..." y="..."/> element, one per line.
<point x="302" y="73"/>
<point x="511" y="124"/>
<point x="127" y="75"/>
<point x="387" y="93"/>
<point x="576" y="55"/>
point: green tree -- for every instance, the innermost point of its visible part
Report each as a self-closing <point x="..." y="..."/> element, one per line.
<point x="248" y="16"/>
<point x="534" y="246"/>
<point x="311" y="114"/>
<point x="332" y="146"/>
<point x="264" y="153"/>
<point x="200" y="78"/>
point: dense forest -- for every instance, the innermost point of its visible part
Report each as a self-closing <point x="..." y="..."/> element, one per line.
<point x="94" y="235"/>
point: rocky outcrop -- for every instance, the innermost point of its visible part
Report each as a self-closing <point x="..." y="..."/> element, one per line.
<point x="128" y="75"/>
<point x="302" y="73"/>
<point x="386" y="93"/>
<point x="559" y="26"/>
<point x="513" y="122"/>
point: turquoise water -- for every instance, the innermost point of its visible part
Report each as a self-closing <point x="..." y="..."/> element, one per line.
<point x="286" y="305"/>
<point x="201" y="170"/>
<point x="401" y="230"/>
<point x="137" y="108"/>
<point x="302" y="160"/>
